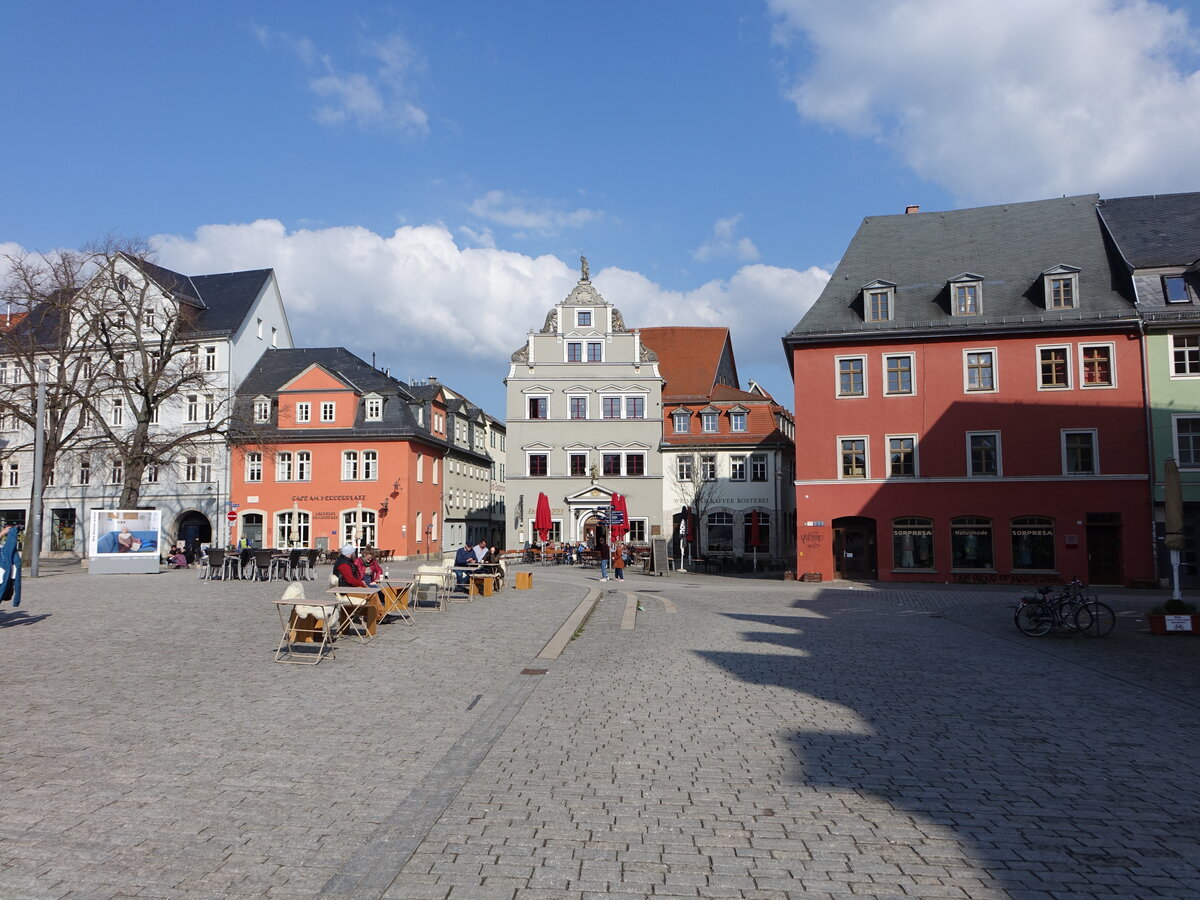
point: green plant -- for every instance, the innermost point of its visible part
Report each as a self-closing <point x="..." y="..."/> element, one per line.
<point x="1174" y="607"/>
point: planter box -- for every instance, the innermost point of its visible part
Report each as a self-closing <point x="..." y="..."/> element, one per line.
<point x="811" y="577"/>
<point x="1160" y="624"/>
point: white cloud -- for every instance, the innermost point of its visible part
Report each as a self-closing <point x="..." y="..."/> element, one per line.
<point x="380" y="97"/>
<point x="425" y="306"/>
<point x="724" y="242"/>
<point x="1014" y="100"/>
<point x="528" y="216"/>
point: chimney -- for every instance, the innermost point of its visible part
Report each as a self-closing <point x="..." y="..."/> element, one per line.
<point x="909" y="210"/>
<point x="433" y="379"/>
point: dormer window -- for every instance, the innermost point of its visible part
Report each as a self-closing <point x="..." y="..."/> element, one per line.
<point x="374" y="409"/>
<point x="262" y="409"/>
<point x="737" y="419"/>
<point x="583" y="318"/>
<point x="682" y="421"/>
<point x="1175" y="289"/>
<point x="1062" y="287"/>
<point x="966" y="295"/>
<point x="879" y="298"/>
<point x="708" y="421"/>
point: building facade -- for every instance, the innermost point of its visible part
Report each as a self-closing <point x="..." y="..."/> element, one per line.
<point x="214" y="328"/>
<point x="728" y="454"/>
<point x="584" y="420"/>
<point x="1158" y="241"/>
<point x="340" y="453"/>
<point x="970" y="387"/>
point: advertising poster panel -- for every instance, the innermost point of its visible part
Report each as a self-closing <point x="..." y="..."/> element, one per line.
<point x="124" y="541"/>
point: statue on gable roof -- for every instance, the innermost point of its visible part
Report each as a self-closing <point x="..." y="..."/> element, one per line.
<point x="583" y="268"/>
<point x="551" y="324"/>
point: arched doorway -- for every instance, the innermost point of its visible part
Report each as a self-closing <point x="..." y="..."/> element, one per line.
<point x="592" y="530"/>
<point x="194" y="527"/>
<point x="854" y="548"/>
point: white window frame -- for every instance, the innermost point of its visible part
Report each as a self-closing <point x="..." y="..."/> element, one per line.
<point x="254" y="467"/>
<point x="303" y="412"/>
<point x="581" y="315"/>
<point x="586" y="407"/>
<point x="303" y="471"/>
<point x="369" y="465"/>
<point x="738" y="418"/>
<point x="912" y="374"/>
<point x="706" y="473"/>
<point x="678" y="417"/>
<point x="420" y="467"/>
<point x="529" y="454"/>
<point x="1068" y="274"/>
<point x="1175" y="373"/>
<point x="916" y="459"/>
<point x="567" y="345"/>
<point x="328" y="412"/>
<point x="373" y="409"/>
<point x="966" y="353"/>
<point x="350" y="465"/>
<point x="587" y="351"/>
<point x="1038" y="372"/>
<point x="869" y="294"/>
<point x="529" y="398"/>
<point x="736" y="460"/>
<point x="284" y="466"/>
<point x="707" y="418"/>
<point x="1195" y="464"/>
<point x="210" y="358"/>
<point x="681" y="461"/>
<point x="262" y="409"/>
<point x="1095" y="451"/>
<point x="999" y="453"/>
<point x="572" y="455"/>
<point x="841" y="438"/>
<point x="958" y="284"/>
<point x="118" y="411"/>
<point x="837" y="377"/>
<point x="1112" y="366"/>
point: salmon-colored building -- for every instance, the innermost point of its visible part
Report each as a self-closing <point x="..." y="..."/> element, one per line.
<point x="335" y="451"/>
<point x="969" y="404"/>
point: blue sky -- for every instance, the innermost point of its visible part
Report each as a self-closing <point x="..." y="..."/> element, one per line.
<point x="424" y="176"/>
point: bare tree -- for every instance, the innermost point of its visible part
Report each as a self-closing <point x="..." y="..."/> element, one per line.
<point x="697" y="488"/>
<point x="130" y="384"/>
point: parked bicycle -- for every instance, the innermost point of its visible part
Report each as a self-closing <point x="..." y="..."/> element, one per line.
<point x="1069" y="609"/>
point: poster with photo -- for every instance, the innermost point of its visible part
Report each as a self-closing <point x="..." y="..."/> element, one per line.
<point x="124" y="531"/>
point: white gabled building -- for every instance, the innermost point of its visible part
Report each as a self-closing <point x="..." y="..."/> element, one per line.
<point x="225" y="322"/>
<point x="584" y="421"/>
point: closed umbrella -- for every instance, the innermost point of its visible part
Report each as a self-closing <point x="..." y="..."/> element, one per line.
<point x="755" y="536"/>
<point x="542" y="522"/>
<point x="1173" y="537"/>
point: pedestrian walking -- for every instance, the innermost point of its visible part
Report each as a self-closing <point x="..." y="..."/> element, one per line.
<point x="604" y="549"/>
<point x="618" y="562"/>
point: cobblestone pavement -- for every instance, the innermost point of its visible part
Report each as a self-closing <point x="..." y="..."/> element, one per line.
<point x="735" y="738"/>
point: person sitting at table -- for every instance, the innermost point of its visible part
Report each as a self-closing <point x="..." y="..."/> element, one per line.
<point x="480" y="551"/>
<point x="493" y="555"/>
<point x="371" y="569"/>
<point x="345" y="570"/>
<point x="464" y="558"/>
<point x="177" y="559"/>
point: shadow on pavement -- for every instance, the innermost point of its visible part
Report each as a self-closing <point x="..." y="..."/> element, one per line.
<point x="1013" y="767"/>
<point x="17" y="617"/>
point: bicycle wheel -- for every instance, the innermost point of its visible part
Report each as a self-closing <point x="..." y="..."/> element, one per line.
<point x="1034" y="619"/>
<point x="1072" y="614"/>
<point x="1100" y="619"/>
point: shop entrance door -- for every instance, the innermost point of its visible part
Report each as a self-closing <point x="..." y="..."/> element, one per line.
<point x="1104" y="548"/>
<point x="854" y="548"/>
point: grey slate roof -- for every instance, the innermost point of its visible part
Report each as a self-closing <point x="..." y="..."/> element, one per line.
<point x="277" y="367"/>
<point x="1155" y="230"/>
<point x="1009" y="246"/>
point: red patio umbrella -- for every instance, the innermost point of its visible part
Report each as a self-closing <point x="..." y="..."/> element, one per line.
<point x="755" y="536"/>
<point x="541" y="519"/>
<point x="620" y="524"/>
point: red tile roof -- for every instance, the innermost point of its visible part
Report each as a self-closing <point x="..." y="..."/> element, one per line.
<point x="689" y="357"/>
